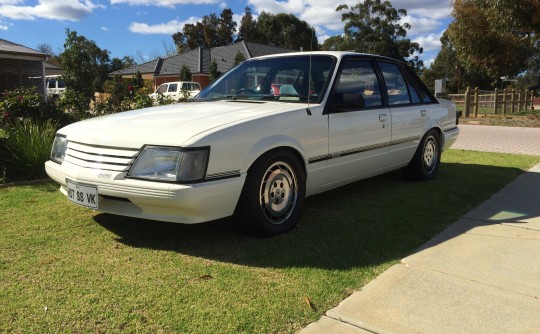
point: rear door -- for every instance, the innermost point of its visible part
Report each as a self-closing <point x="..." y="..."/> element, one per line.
<point x="410" y="114"/>
<point x="359" y="123"/>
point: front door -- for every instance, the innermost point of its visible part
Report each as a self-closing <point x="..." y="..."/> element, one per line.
<point x="360" y="126"/>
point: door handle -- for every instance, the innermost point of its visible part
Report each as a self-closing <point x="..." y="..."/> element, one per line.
<point x="423" y="112"/>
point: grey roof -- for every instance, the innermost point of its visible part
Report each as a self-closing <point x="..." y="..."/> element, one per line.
<point x="8" y="47"/>
<point x="199" y="60"/>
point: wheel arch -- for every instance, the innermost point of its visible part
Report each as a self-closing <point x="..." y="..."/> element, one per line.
<point x="272" y="144"/>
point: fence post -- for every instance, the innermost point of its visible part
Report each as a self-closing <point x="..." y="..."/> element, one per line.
<point x="475" y="102"/>
<point x="467" y="102"/>
<point x="520" y="99"/>
<point x="495" y="104"/>
<point x="532" y="99"/>
<point x="513" y="100"/>
<point x="527" y="101"/>
<point x="504" y="102"/>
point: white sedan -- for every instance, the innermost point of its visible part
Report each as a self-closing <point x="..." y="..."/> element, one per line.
<point x="337" y="117"/>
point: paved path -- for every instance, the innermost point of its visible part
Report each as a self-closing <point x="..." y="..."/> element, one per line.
<point x="499" y="139"/>
<point x="481" y="275"/>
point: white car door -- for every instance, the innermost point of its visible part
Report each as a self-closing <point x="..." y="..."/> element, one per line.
<point x="359" y="124"/>
<point x="409" y="114"/>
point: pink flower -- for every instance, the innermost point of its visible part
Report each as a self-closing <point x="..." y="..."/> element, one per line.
<point x="5" y="115"/>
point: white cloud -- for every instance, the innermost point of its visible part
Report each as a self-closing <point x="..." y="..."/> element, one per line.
<point x="162" y="28"/>
<point x="10" y="2"/>
<point x="421" y="25"/>
<point x="105" y="29"/>
<point x="429" y="42"/>
<point x="426" y="17"/>
<point x="61" y="10"/>
<point x="163" y="3"/>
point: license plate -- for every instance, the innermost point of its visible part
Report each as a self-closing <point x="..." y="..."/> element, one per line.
<point x="82" y="194"/>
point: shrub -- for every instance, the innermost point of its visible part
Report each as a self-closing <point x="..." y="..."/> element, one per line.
<point x="26" y="148"/>
<point x="22" y="102"/>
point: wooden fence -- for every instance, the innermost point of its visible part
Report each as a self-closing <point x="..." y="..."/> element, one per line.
<point x="500" y="101"/>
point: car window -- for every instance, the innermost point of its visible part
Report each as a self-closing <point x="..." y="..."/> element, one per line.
<point x="172" y="88"/>
<point x="186" y="86"/>
<point x="51" y="84"/>
<point x="415" y="98"/>
<point x="285" y="79"/>
<point x="61" y="84"/>
<point x="162" y="88"/>
<point x="196" y="86"/>
<point x="396" y="88"/>
<point x="358" y="77"/>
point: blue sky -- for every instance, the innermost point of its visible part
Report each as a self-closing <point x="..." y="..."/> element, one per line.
<point x="142" y="29"/>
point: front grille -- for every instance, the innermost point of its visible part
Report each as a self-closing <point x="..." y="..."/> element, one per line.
<point x="100" y="157"/>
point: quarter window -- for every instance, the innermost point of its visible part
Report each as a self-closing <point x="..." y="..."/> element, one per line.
<point x="396" y="87"/>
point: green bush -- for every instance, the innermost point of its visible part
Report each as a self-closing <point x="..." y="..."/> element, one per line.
<point x="25" y="150"/>
<point x="25" y="102"/>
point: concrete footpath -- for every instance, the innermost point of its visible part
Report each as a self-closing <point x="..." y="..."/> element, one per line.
<point x="480" y="275"/>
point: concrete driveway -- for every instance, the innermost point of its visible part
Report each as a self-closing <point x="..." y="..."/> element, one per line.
<point x="480" y="275"/>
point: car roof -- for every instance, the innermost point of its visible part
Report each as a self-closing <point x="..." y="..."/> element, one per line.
<point x="337" y="54"/>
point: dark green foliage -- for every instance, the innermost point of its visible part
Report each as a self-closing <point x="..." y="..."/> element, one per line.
<point x="375" y="27"/>
<point x="495" y="37"/>
<point x="185" y="73"/>
<point x="25" y="149"/>
<point x="247" y="30"/>
<point x="283" y="30"/>
<point x="214" y="73"/>
<point x="447" y="66"/>
<point x="239" y="58"/>
<point x="286" y="31"/>
<point x="212" y="31"/>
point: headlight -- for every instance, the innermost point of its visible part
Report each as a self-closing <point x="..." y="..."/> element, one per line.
<point x="171" y="164"/>
<point x="58" y="151"/>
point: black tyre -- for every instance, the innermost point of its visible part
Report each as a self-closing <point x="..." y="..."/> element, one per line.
<point x="427" y="158"/>
<point x="273" y="194"/>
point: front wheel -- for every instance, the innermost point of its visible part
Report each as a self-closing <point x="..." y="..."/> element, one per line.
<point x="273" y="195"/>
<point x="427" y="159"/>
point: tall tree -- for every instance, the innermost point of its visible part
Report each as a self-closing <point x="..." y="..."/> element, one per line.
<point x="212" y="31"/>
<point x="247" y="30"/>
<point x="227" y="27"/>
<point x="86" y="67"/>
<point x="285" y="30"/>
<point x="496" y="37"/>
<point x="119" y="64"/>
<point x="447" y="67"/>
<point x="374" y="26"/>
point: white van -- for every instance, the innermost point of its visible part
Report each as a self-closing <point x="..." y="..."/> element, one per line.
<point x="55" y="86"/>
<point x="173" y="90"/>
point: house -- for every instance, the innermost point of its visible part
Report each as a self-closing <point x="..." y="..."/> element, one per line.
<point x="21" y="66"/>
<point x="198" y="60"/>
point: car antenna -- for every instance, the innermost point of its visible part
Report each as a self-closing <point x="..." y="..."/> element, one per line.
<point x="308" y="111"/>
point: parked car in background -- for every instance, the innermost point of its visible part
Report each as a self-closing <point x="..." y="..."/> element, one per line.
<point x="175" y="90"/>
<point x="55" y="86"/>
<point x="337" y="117"/>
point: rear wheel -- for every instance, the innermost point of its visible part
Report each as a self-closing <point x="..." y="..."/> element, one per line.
<point x="427" y="158"/>
<point x="273" y="195"/>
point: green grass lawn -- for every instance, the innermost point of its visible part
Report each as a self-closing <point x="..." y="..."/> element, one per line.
<point x="68" y="269"/>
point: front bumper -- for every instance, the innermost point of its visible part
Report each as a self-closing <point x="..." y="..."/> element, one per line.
<point x="179" y="203"/>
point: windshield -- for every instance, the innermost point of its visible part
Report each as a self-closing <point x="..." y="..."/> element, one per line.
<point x="274" y="79"/>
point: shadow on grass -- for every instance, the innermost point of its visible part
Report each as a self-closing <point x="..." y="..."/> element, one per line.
<point x="368" y="222"/>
